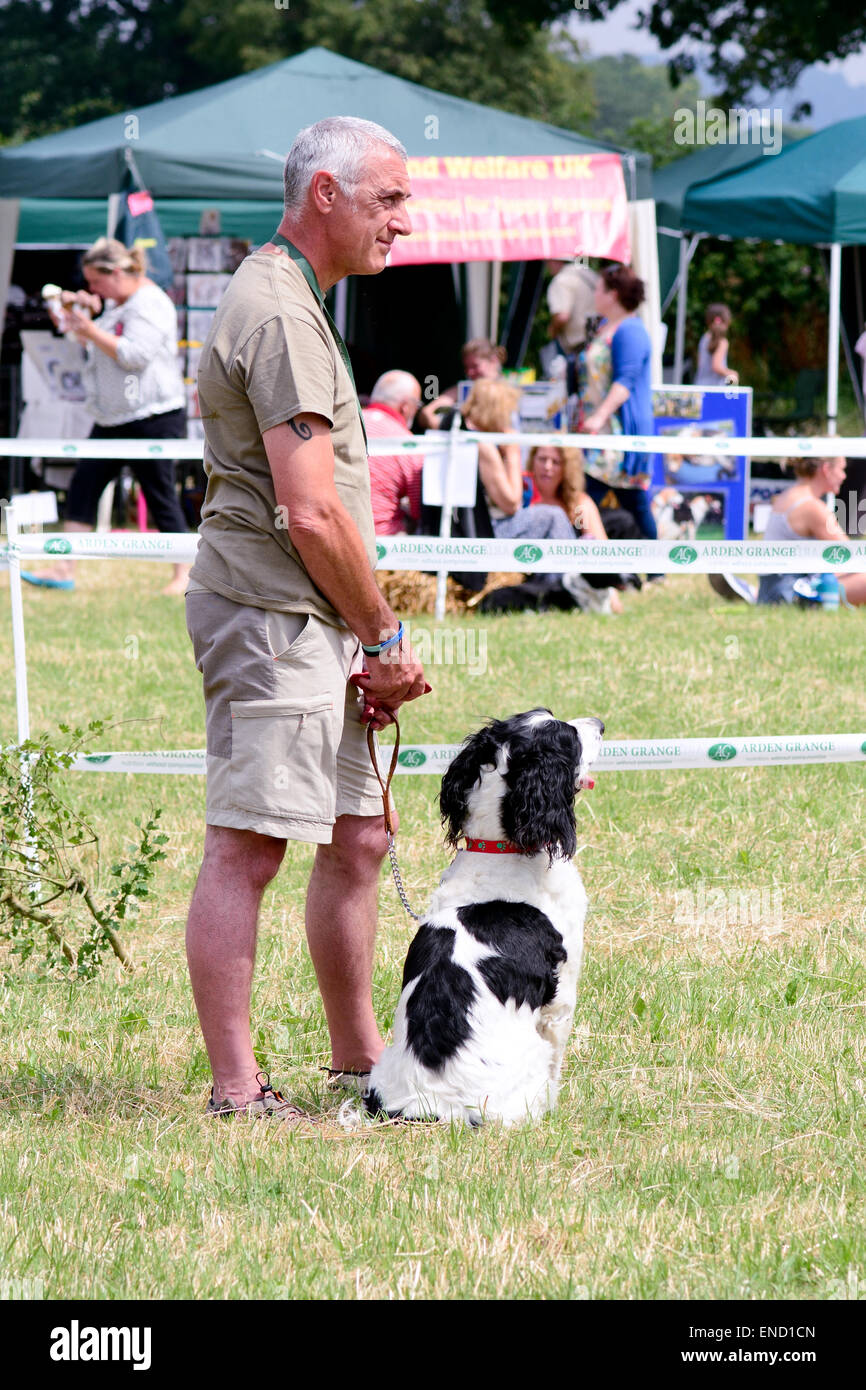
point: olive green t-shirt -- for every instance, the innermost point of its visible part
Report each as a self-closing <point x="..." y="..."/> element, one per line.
<point x="270" y="355"/>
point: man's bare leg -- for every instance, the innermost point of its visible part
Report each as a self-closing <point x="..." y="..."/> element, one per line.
<point x="177" y="583"/>
<point x="341" y="917"/>
<point x="221" y="950"/>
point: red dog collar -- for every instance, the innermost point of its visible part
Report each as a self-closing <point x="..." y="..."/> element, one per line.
<point x="492" y="847"/>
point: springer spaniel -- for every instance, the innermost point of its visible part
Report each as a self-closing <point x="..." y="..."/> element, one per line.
<point x="490" y="981"/>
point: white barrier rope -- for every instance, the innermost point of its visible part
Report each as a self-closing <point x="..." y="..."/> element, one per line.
<point x="614" y="557"/>
<point x="631" y="755"/>
<point x="825" y="446"/>
<point x="431" y="553"/>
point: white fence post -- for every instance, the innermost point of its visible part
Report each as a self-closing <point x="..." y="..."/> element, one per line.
<point x="445" y="522"/>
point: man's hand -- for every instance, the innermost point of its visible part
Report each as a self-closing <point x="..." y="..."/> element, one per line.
<point x="301" y="458"/>
<point x="558" y="324"/>
<point x="388" y="682"/>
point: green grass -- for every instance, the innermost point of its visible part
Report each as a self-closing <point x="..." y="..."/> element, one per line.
<point x="708" y="1141"/>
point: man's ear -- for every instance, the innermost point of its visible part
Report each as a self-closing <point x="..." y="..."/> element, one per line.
<point x="323" y="191"/>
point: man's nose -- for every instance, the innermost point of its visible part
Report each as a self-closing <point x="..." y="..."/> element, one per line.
<point x="401" y="222"/>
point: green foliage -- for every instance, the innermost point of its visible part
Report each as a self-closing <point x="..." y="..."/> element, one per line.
<point x="778" y="299"/>
<point x="447" y="45"/>
<point x="63" y="62"/>
<point x="125" y="55"/>
<point x="635" y="105"/>
<point x="747" y="44"/>
<point x="49" y="858"/>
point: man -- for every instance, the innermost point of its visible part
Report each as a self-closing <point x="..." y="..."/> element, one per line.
<point x="395" y="479"/>
<point x="282" y="595"/>
<point x="571" y="301"/>
<point x="482" y="361"/>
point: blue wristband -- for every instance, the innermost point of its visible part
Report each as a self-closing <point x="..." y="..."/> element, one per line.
<point x="383" y="646"/>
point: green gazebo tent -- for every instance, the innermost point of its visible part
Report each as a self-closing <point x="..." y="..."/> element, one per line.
<point x="676" y="245"/>
<point x="221" y="147"/>
<point x="813" y="193"/>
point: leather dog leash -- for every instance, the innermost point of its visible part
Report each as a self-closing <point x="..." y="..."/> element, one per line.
<point x="386" y="808"/>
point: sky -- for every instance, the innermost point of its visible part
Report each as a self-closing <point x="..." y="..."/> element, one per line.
<point x="616" y="35"/>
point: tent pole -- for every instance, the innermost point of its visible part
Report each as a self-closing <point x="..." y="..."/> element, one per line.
<point x="495" y="292"/>
<point x="682" y="294"/>
<point x="113" y="212"/>
<point x="833" y="337"/>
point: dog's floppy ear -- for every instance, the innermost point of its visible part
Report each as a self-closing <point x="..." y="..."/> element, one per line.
<point x="538" y="809"/>
<point x="479" y="750"/>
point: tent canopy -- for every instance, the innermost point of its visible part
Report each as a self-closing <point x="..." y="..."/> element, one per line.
<point x="218" y="144"/>
<point x="671" y="183"/>
<point x="812" y="193"/>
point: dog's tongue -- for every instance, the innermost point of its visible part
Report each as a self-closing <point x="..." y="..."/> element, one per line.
<point x="587" y="784"/>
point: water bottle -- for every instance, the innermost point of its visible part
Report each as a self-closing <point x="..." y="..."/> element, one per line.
<point x="827" y="590"/>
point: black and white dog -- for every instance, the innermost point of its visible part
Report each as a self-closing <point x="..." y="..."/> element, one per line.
<point x="490" y="981"/>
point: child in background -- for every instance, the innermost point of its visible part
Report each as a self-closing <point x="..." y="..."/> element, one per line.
<point x="713" y="369"/>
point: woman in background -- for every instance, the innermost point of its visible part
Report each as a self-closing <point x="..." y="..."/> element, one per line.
<point x="134" y="390"/>
<point x="490" y="407"/>
<point x="559" y="482"/>
<point x="558" y="476"/>
<point x="800" y="513"/>
<point x="615" y="396"/>
<point x="713" y="369"/>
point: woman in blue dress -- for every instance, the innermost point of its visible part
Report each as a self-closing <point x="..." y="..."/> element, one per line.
<point x="615" y="395"/>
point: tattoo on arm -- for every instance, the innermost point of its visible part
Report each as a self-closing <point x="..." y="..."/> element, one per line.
<point x="301" y="429"/>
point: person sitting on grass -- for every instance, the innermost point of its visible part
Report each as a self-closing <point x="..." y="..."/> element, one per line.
<point x="490" y="406"/>
<point x="800" y="513"/>
<point x="558" y="480"/>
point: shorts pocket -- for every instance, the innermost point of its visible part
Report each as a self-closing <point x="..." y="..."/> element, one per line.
<point x="287" y="633"/>
<point x="283" y="758"/>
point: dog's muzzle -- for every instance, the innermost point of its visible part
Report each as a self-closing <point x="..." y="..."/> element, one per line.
<point x="591" y="731"/>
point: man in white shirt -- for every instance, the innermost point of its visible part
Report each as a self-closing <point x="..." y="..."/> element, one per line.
<point x="571" y="300"/>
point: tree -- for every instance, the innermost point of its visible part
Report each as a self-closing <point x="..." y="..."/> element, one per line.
<point x="749" y="43"/>
<point x="778" y="298"/>
<point x="635" y="105"/>
<point x="63" y="62"/>
<point x="445" y="44"/>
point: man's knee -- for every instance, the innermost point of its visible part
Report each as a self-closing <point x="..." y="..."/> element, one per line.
<point x="358" y="841"/>
<point x="243" y="853"/>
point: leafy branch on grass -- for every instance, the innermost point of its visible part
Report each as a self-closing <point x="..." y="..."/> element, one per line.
<point x="50" y="859"/>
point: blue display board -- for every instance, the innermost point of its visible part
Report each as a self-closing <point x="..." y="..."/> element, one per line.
<point x="697" y="496"/>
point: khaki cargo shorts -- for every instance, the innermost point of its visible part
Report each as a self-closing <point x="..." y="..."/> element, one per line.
<point x="286" y="749"/>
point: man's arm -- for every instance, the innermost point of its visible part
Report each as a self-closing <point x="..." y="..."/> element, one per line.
<point x="301" y="459"/>
<point x="428" y="415"/>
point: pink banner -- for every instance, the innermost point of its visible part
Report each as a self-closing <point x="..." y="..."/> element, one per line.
<point x="526" y="208"/>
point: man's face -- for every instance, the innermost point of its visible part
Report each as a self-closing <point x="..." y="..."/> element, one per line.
<point x="362" y="232"/>
<point x="410" y="406"/>
<point x="482" y="368"/>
